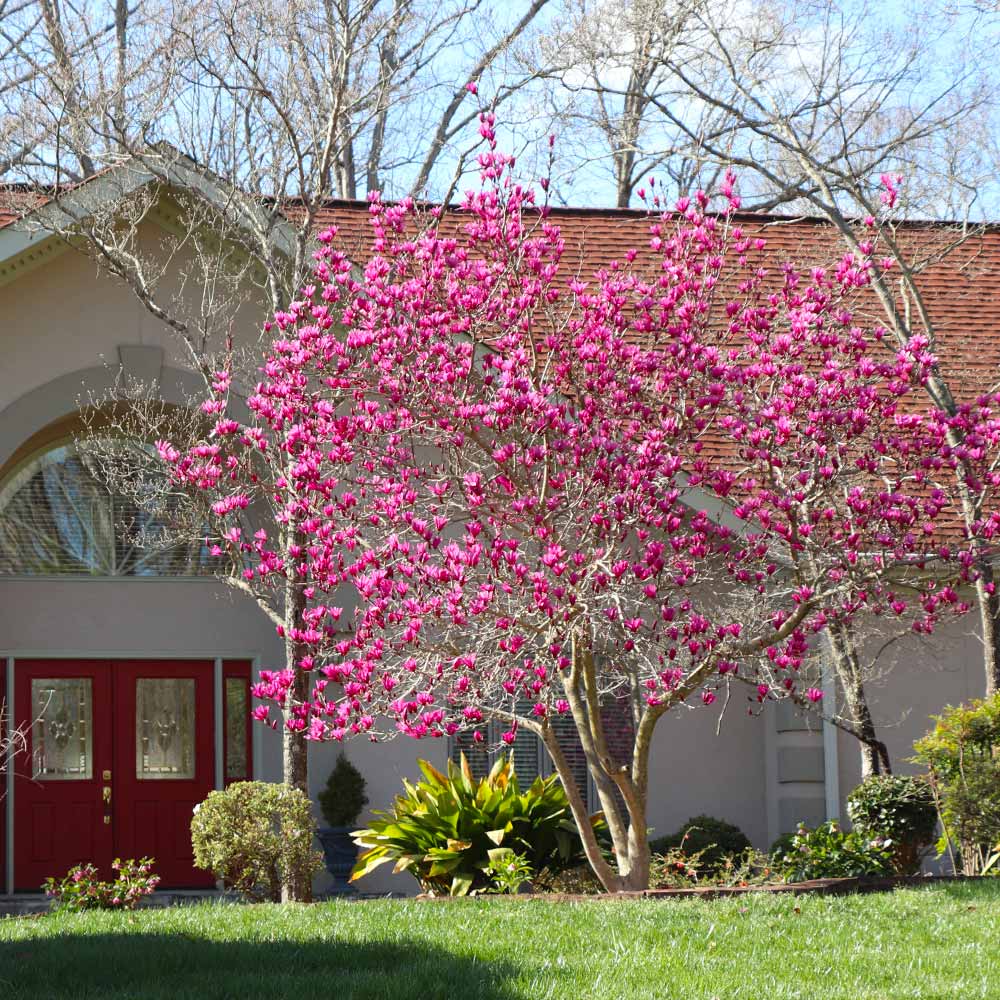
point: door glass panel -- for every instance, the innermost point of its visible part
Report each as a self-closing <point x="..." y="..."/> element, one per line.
<point x="62" y="730"/>
<point x="164" y="728"/>
<point x="237" y="713"/>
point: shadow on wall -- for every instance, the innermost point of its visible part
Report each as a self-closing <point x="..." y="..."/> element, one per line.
<point x="307" y="964"/>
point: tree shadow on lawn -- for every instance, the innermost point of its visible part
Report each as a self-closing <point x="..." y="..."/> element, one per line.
<point x="157" y="966"/>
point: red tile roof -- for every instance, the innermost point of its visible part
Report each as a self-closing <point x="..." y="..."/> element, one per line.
<point x="960" y="281"/>
<point x="16" y="199"/>
<point x="959" y="277"/>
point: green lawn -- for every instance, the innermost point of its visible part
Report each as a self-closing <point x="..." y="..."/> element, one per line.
<point x="941" y="942"/>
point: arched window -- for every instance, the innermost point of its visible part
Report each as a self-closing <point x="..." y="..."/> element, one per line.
<point x="58" y="518"/>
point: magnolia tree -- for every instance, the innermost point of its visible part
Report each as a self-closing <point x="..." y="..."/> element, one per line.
<point x="500" y="485"/>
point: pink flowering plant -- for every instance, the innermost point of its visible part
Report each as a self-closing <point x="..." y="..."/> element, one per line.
<point x="82" y="889"/>
<point x="505" y="490"/>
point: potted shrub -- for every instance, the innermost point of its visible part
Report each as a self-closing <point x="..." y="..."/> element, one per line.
<point x="341" y="802"/>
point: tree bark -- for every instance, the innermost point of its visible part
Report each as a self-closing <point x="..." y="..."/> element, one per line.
<point x="988" y="600"/>
<point x="294" y="748"/>
<point x="874" y="753"/>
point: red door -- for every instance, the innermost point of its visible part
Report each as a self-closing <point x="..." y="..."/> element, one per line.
<point x="60" y="816"/>
<point x="119" y="754"/>
<point x="165" y="765"/>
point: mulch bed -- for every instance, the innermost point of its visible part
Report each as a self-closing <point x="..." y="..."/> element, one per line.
<point x="819" y="887"/>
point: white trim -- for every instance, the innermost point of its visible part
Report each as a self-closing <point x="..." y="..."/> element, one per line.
<point x="831" y="754"/>
<point x="772" y="789"/>
<point x="219" y="726"/>
<point x="9" y="816"/>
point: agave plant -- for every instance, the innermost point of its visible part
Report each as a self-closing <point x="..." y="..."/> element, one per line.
<point x="447" y="828"/>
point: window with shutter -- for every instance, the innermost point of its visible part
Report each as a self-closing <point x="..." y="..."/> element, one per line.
<point x="532" y="759"/>
<point x="477" y="754"/>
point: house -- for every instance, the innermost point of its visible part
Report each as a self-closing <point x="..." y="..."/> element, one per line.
<point x="131" y="669"/>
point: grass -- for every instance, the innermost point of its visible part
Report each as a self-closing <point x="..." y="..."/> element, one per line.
<point x="934" y="942"/>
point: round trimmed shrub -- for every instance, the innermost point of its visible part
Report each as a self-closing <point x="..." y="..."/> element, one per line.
<point x="897" y="808"/>
<point x="716" y="838"/>
<point x="255" y="835"/>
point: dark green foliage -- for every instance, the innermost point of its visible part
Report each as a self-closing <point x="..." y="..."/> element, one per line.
<point x="444" y="829"/>
<point x="713" y="840"/>
<point x="781" y="846"/>
<point x="899" y="808"/>
<point x="343" y="797"/>
<point x="829" y="852"/>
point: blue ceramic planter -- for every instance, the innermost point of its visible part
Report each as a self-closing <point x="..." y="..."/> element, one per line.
<point x="339" y="855"/>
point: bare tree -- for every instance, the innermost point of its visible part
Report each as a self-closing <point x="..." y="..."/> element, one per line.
<point x="608" y="73"/>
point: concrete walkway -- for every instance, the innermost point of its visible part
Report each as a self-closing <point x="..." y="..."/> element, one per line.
<point x="23" y="903"/>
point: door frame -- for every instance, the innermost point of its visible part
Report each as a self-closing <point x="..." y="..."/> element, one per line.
<point x="218" y="658"/>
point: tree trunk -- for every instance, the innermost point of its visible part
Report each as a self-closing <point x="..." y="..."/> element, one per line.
<point x="874" y="754"/>
<point x="989" y="618"/>
<point x="621" y="789"/>
<point x="294" y="748"/>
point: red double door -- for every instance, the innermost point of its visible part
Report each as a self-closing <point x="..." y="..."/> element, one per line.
<point x="119" y="754"/>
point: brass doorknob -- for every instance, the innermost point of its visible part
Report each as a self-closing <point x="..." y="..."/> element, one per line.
<point x="106" y="794"/>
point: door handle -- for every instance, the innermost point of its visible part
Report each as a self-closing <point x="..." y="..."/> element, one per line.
<point x="106" y="794"/>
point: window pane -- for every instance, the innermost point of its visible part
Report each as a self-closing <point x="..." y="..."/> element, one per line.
<point x="58" y="518"/>
<point x="55" y="518"/>
<point x="237" y="716"/>
<point x="164" y="728"/>
<point x="62" y="731"/>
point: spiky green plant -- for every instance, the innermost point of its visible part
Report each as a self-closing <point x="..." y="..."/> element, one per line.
<point x="444" y="828"/>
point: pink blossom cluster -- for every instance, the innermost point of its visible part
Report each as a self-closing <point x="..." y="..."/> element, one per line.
<point x="483" y="466"/>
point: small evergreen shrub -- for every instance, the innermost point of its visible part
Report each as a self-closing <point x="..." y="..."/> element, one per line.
<point x="254" y="835"/>
<point x="829" y="852"/>
<point x="343" y="797"/>
<point x="712" y="840"/>
<point x="899" y="808"/>
<point x="962" y="753"/>
<point x="446" y="828"/>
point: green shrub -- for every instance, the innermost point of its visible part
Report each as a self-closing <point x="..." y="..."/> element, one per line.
<point x="829" y="852"/>
<point x="899" y="808"/>
<point x="713" y="840"/>
<point x="255" y="835"/>
<point x="443" y="828"/>
<point x="781" y="846"/>
<point x="508" y="870"/>
<point x="343" y="797"/>
<point x="962" y="752"/>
